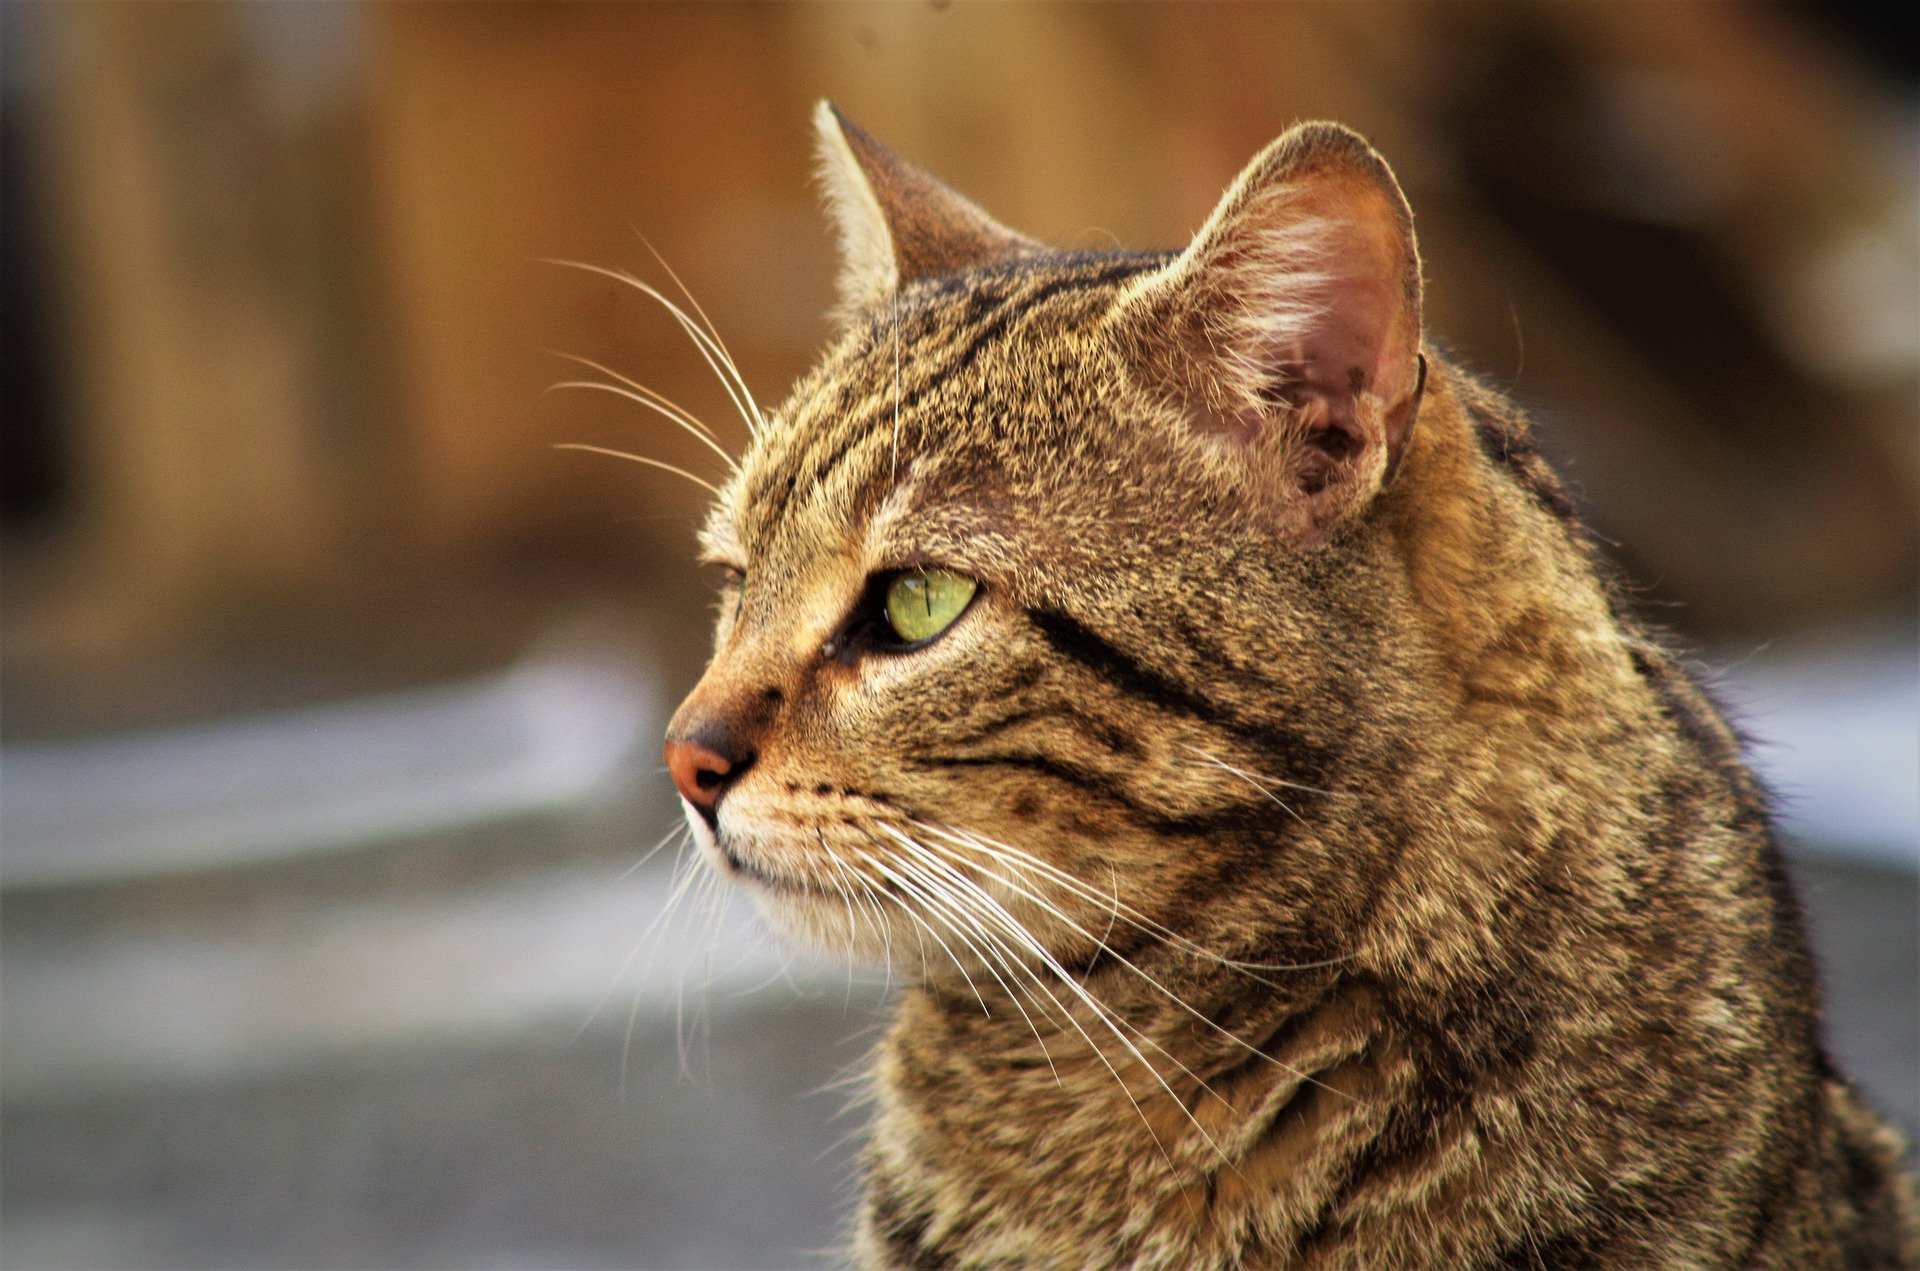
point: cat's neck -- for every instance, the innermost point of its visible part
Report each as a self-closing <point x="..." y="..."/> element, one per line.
<point x="1500" y="575"/>
<point x="1138" y="1112"/>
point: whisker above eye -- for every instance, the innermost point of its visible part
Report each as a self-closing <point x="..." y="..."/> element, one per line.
<point x="655" y="401"/>
<point x="709" y="347"/>
<point x="661" y="464"/>
<point x="713" y="331"/>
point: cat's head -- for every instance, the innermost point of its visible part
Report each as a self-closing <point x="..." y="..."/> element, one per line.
<point x="1039" y="611"/>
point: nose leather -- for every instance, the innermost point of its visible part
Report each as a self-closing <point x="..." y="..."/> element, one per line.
<point x="698" y="773"/>
<point x="703" y="765"/>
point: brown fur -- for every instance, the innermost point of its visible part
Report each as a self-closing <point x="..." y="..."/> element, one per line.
<point x="1549" y="1003"/>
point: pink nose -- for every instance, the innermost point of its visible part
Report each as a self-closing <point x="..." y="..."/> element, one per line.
<point x="700" y="775"/>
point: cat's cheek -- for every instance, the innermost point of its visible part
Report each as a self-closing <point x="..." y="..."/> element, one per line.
<point x="893" y="703"/>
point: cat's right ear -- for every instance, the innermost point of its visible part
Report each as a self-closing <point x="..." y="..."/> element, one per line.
<point x="1289" y="330"/>
<point x="897" y="223"/>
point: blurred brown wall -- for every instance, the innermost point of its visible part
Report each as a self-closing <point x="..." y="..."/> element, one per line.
<point x="305" y="322"/>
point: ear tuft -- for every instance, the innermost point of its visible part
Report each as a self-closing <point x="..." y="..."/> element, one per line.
<point x="896" y="223"/>
<point x="1291" y="324"/>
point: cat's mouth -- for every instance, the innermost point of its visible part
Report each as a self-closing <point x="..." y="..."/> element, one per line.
<point x="741" y="868"/>
<point x="738" y="867"/>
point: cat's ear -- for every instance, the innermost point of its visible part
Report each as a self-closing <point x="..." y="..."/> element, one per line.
<point x="896" y="223"/>
<point x="1290" y="327"/>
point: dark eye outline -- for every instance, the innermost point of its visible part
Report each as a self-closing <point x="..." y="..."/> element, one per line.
<point x="868" y="631"/>
<point x="733" y="585"/>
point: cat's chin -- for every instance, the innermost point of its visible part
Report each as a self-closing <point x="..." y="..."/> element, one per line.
<point x="761" y="881"/>
<point x="812" y="916"/>
<point x="824" y="924"/>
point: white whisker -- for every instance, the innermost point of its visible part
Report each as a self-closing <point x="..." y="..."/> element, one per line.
<point x="708" y="486"/>
<point x="958" y="965"/>
<point x="994" y="943"/>
<point x="855" y="890"/>
<point x="1094" y="1047"/>
<point x="1261" y="780"/>
<point x="659" y="403"/>
<point x="896" y="392"/>
<point x="713" y="331"/>
<point x="1169" y="994"/>
<point x="1015" y="928"/>
<point x="1024" y="862"/>
<point x="680" y="412"/>
<point x="709" y="348"/>
<point x="626" y="964"/>
<point x="689" y="874"/>
<point x="631" y="396"/>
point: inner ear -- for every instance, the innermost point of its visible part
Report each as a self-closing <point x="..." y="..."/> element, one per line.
<point x="1291" y="326"/>
<point x="1327" y="446"/>
<point x="1332" y="433"/>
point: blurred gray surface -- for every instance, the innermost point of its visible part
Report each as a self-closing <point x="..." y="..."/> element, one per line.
<point x="529" y="1149"/>
<point x="1865" y="925"/>
<point x="542" y="735"/>
<point x="1833" y="728"/>
<point x="527" y="1155"/>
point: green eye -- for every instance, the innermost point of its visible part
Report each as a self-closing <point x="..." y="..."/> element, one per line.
<point x="922" y="603"/>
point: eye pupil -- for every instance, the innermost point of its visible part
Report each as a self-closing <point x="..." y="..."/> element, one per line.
<point x="921" y="603"/>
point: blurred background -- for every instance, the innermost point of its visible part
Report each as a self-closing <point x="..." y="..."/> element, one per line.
<point x="332" y="692"/>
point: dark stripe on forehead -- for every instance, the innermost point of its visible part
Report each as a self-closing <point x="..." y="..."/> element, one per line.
<point x="991" y="313"/>
<point x="847" y="430"/>
<point x="1013" y="305"/>
<point x="1020" y="304"/>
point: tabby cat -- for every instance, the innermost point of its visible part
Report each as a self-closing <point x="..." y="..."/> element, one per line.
<point x="1297" y="854"/>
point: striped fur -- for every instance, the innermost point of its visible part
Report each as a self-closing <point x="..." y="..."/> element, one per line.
<point x="1392" y="900"/>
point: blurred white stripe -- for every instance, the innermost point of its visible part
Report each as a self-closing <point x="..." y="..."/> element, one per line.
<point x="1836" y="735"/>
<point x="137" y="1003"/>
<point x="138" y="999"/>
<point x="538" y="737"/>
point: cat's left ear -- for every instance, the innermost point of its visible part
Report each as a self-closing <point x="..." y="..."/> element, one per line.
<point x="1290" y="328"/>
<point x="896" y="223"/>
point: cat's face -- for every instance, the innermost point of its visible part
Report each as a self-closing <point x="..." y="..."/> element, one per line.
<point x="1004" y="452"/>
<point x="1015" y="604"/>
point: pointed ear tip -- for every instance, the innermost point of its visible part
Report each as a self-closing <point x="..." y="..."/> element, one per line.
<point x="827" y="119"/>
<point x="832" y="124"/>
<point x="1317" y="141"/>
<point x="839" y="144"/>
<point x="1328" y="133"/>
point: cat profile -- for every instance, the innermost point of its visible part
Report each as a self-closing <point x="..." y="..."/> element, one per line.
<point x="1295" y="852"/>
